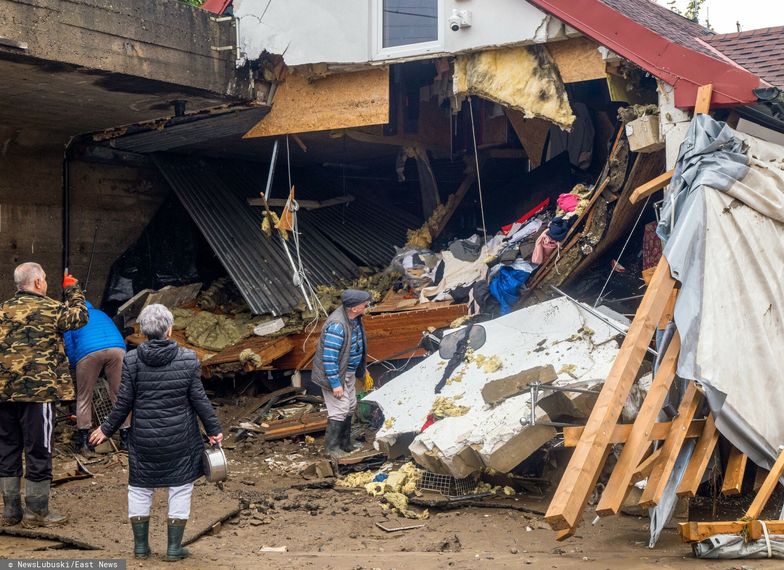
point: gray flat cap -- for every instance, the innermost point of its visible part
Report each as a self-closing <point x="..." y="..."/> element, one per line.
<point x="353" y="297"/>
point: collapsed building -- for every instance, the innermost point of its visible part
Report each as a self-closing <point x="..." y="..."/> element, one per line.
<point x="455" y="160"/>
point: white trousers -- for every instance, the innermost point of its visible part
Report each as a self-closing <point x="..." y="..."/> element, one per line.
<point x="140" y="501"/>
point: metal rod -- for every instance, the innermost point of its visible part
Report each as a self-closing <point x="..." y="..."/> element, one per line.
<point x="599" y="316"/>
<point x="271" y="173"/>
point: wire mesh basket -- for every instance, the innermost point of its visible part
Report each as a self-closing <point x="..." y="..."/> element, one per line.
<point x="102" y="403"/>
<point x="446" y="484"/>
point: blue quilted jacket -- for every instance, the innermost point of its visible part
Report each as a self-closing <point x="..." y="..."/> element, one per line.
<point x="98" y="334"/>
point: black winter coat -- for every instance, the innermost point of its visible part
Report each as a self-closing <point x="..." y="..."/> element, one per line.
<point x="161" y="386"/>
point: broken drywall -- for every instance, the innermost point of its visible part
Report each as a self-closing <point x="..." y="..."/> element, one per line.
<point x="579" y="347"/>
<point x="522" y="78"/>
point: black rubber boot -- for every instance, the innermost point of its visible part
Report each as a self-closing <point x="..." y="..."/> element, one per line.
<point x="37" y="511"/>
<point x="80" y="439"/>
<point x="12" y="500"/>
<point x="124" y="439"/>
<point x="345" y="437"/>
<point x="332" y="438"/>
<point x="174" y="549"/>
<point x="141" y="533"/>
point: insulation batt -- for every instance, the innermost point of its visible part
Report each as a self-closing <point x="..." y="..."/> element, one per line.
<point x="522" y="78"/>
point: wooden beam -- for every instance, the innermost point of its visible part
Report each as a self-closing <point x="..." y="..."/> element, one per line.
<point x="762" y="498"/>
<point x="650" y="187"/>
<point x="575" y="486"/>
<point x="307" y="204"/>
<point x="453" y="202"/>
<point x="643" y="470"/>
<point x="569" y="532"/>
<point x="672" y="447"/>
<point x="759" y="478"/>
<point x="752" y="530"/>
<point x="733" y="476"/>
<point x="704" y="93"/>
<point x="640" y="436"/>
<point x="699" y="460"/>
<point x="621" y="432"/>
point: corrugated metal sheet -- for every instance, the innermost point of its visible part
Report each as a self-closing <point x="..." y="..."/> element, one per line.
<point x="189" y="130"/>
<point x="364" y="228"/>
<point x="257" y="265"/>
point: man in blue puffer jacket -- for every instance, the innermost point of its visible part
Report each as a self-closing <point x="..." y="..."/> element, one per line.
<point x="96" y="347"/>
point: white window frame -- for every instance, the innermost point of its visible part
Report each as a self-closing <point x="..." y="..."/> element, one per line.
<point x="422" y="48"/>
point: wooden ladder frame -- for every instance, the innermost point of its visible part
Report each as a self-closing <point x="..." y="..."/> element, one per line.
<point x="591" y="450"/>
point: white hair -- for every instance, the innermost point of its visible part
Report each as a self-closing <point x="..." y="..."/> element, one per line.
<point x="155" y="320"/>
<point x="25" y="274"/>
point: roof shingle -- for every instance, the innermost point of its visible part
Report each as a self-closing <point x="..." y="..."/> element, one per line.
<point x="759" y="51"/>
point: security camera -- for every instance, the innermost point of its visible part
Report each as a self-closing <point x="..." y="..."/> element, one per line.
<point x="459" y="19"/>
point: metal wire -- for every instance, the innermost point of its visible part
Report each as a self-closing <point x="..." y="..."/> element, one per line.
<point x="478" y="176"/>
<point x="102" y="403"/>
<point x="623" y="249"/>
<point x="446" y="484"/>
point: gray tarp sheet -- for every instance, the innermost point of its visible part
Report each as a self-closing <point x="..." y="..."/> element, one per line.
<point x="724" y="229"/>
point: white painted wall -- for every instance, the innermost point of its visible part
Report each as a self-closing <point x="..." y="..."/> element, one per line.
<point x="305" y="31"/>
<point x="347" y="31"/>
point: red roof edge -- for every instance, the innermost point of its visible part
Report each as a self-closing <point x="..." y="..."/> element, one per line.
<point x="216" y="6"/>
<point x="683" y="68"/>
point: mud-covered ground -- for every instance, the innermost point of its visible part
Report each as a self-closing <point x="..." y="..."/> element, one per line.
<point x="331" y="528"/>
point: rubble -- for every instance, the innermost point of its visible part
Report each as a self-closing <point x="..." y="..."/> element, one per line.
<point x="498" y="436"/>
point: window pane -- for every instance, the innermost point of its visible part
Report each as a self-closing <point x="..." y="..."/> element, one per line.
<point x="410" y="22"/>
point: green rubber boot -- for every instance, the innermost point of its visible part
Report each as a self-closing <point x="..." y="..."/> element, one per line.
<point x="332" y="439"/>
<point x="12" y="500"/>
<point x="37" y="513"/>
<point x="141" y="533"/>
<point x="175" y="550"/>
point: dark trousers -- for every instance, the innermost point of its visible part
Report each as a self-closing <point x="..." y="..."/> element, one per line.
<point x="28" y="426"/>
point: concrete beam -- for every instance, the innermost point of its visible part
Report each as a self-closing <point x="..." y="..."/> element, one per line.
<point x="161" y="40"/>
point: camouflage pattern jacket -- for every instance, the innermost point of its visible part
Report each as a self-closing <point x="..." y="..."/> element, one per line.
<point x="33" y="366"/>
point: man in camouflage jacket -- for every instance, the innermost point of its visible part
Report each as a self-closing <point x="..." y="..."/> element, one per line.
<point x="33" y="376"/>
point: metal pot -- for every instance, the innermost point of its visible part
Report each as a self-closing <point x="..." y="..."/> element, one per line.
<point x="216" y="468"/>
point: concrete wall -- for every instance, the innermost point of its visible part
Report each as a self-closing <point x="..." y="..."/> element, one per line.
<point x="345" y="32"/>
<point x="119" y="199"/>
<point x="162" y="40"/>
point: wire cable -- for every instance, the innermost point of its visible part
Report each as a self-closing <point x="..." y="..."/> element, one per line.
<point x="478" y="176"/>
<point x="623" y="249"/>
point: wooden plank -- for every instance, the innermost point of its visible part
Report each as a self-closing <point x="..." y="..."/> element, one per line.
<point x="699" y="460"/>
<point x="306" y="204"/>
<point x="704" y="93"/>
<point x="650" y="187"/>
<point x="751" y="529"/>
<point x="672" y="446"/>
<point x="532" y="134"/>
<point x="339" y="101"/>
<point x="639" y="438"/>
<point x="733" y="476"/>
<point x="570" y="531"/>
<point x="621" y="432"/>
<point x="389" y="335"/>
<point x="643" y="470"/>
<point x="669" y="311"/>
<point x="452" y="204"/>
<point x="763" y="496"/>
<point x="578" y="59"/>
<point x="575" y="486"/>
<point x="759" y="478"/>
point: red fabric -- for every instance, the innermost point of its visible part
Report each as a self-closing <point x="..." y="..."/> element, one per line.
<point x="568" y="202"/>
<point x="428" y="422"/>
<point x="651" y="247"/>
<point x="528" y="215"/>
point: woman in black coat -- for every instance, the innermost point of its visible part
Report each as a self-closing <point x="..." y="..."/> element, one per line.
<point x="161" y="387"/>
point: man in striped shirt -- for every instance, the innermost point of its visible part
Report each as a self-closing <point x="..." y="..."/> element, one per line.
<point x="340" y="358"/>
